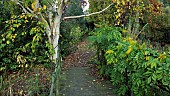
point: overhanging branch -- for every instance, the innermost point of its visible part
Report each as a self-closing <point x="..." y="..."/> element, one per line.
<point x="72" y="17"/>
<point x="24" y="9"/>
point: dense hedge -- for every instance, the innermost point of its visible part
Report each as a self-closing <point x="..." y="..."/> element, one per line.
<point x="133" y="68"/>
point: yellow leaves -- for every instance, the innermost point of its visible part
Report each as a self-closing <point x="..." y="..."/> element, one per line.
<point x="38" y="9"/>
<point x="12" y="21"/>
<point x="147" y="58"/>
<point x="124" y="39"/>
<point x="97" y="25"/>
<point x="133" y="42"/>
<point x="130" y="40"/>
<point x="22" y="16"/>
<point x="117" y="16"/>
<point x="33" y="6"/>
<point x="124" y="31"/>
<point x="113" y="1"/>
<point x="16" y="25"/>
<point x="29" y="15"/>
<point x="3" y="39"/>
<point x="13" y="16"/>
<point x="44" y="7"/>
<point x="11" y="28"/>
<point x="129" y="50"/>
<point x="162" y="56"/>
<point x="123" y="2"/>
<point x="118" y="2"/>
<point x="26" y="21"/>
<point x="21" y="60"/>
<point x="146" y="52"/>
<point x="7" y="42"/>
<point x="12" y="37"/>
<point x="36" y="29"/>
<point x="109" y="51"/>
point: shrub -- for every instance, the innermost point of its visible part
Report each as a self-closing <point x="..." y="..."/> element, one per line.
<point x="133" y="68"/>
<point x="138" y="70"/>
<point x="23" y="43"/>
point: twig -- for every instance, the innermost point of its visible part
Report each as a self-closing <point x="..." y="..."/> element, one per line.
<point x="72" y="17"/>
<point x="22" y="7"/>
<point x="29" y="93"/>
<point x="141" y="30"/>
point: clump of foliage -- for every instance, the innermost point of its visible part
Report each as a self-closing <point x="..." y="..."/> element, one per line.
<point x="23" y="43"/>
<point x="133" y="68"/>
<point x="102" y="38"/>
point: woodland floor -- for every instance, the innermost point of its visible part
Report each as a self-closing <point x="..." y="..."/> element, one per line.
<point x="78" y="75"/>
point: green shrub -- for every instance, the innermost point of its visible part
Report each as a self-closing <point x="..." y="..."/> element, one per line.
<point x="138" y="70"/>
<point x="101" y="38"/>
<point x="133" y="68"/>
<point x="23" y="42"/>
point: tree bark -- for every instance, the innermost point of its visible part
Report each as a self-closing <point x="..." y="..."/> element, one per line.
<point x="55" y="33"/>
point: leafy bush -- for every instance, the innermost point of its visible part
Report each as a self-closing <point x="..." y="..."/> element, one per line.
<point x="133" y="68"/>
<point x="101" y="38"/>
<point x="23" y="43"/>
<point x="138" y="70"/>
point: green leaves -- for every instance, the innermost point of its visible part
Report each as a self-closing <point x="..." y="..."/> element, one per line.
<point x="137" y="67"/>
<point x="103" y="37"/>
<point x="22" y="39"/>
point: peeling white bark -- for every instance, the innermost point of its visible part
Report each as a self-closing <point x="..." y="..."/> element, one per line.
<point x="85" y="5"/>
<point x="56" y="32"/>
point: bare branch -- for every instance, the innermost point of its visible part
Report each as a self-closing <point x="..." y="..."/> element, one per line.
<point x="23" y="8"/>
<point x="72" y="17"/>
<point x="30" y="10"/>
<point x="141" y="30"/>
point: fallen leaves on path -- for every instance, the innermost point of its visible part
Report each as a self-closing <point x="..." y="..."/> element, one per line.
<point x="80" y="57"/>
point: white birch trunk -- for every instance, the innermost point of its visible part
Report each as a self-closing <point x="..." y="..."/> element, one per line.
<point x="55" y="33"/>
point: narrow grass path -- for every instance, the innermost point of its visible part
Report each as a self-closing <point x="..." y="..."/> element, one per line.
<point x="76" y="78"/>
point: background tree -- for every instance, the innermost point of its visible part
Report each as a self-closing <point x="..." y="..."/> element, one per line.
<point x="72" y="30"/>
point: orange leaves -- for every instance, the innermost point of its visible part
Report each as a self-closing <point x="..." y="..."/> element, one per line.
<point x="114" y="1"/>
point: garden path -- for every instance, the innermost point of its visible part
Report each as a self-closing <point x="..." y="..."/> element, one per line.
<point x="77" y="78"/>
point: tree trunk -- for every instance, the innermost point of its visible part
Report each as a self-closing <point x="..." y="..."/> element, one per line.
<point x="55" y="33"/>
